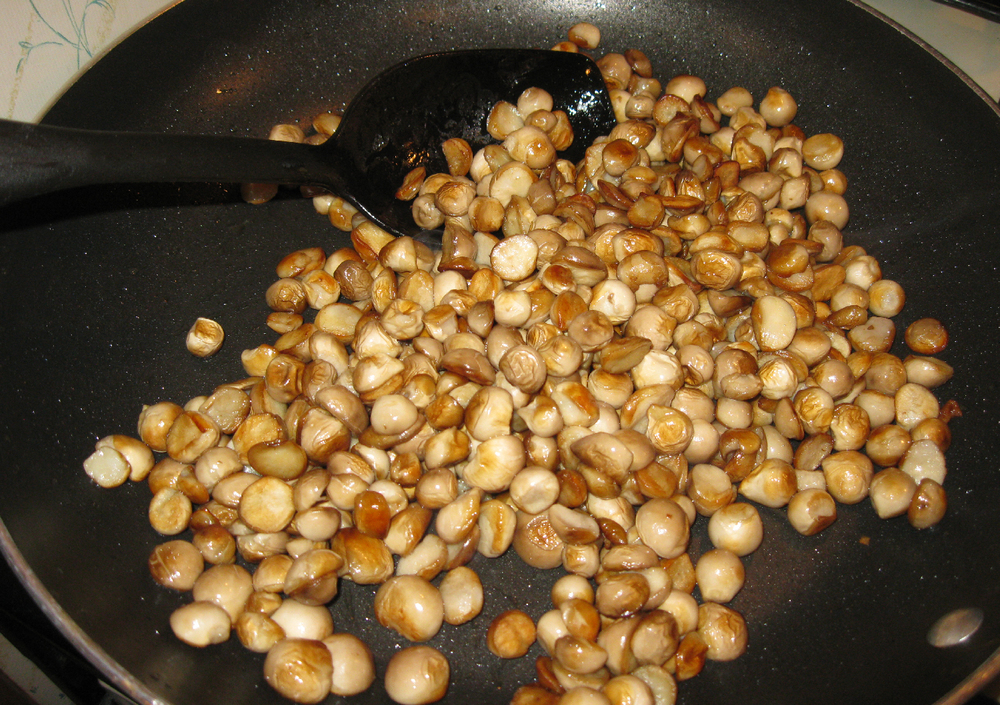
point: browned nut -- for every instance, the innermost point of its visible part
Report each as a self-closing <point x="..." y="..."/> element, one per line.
<point x="724" y="631"/>
<point x="536" y="541"/>
<point x="926" y="336"/>
<point x="312" y="577"/>
<point x="663" y="526"/>
<point x="511" y="634"/>
<point x="155" y="421"/>
<point x="811" y="510"/>
<point x="928" y="505"/>
<point x="205" y="337"/>
<point x="622" y="594"/>
<point x="689" y="660"/>
<point x="176" y="564"/>
<point x="300" y="670"/>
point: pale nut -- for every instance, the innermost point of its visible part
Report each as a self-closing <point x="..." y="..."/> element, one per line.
<point x="417" y="675"/>
<point x="411" y="606"/>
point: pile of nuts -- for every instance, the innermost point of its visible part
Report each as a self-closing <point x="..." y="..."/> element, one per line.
<point x="599" y="354"/>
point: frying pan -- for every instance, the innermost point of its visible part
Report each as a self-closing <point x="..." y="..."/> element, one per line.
<point x="100" y="286"/>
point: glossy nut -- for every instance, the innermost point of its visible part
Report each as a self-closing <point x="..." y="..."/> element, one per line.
<point x="417" y="675"/>
<point x="772" y="483"/>
<point x="720" y="575"/>
<point x="737" y="527"/>
<point x="622" y="594"/>
<point x="811" y="510"/>
<point x="655" y="638"/>
<point x="200" y="624"/>
<point x="257" y="632"/>
<point x="190" y="434"/>
<point x="924" y="460"/>
<point x="353" y="665"/>
<point x="774" y="322"/>
<point x="300" y="670"/>
<point x="312" y="578"/>
<point x="267" y="505"/>
<point x="579" y="655"/>
<point x="663" y="526"/>
<point x="462" y="595"/>
<point x="176" y="564"/>
<point x="724" y="631"/>
<point x="411" y="606"/>
<point x="282" y="458"/>
<point x="154" y="423"/>
<point x="497" y="524"/>
<point x="524" y="367"/>
<point x="228" y="586"/>
<point x="928" y="505"/>
<point x="107" y="467"/>
<point x="536" y="541"/>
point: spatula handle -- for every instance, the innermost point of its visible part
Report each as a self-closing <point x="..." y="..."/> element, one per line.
<point x="38" y="159"/>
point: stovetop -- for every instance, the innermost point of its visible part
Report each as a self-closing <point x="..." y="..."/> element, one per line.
<point x="38" y="666"/>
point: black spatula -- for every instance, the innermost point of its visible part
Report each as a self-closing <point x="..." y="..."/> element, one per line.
<point x="397" y="121"/>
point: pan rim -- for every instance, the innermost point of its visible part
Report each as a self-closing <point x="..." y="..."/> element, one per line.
<point x="67" y="626"/>
<point x="951" y="65"/>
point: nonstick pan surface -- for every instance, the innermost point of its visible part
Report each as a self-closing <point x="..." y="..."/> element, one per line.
<point x="101" y="285"/>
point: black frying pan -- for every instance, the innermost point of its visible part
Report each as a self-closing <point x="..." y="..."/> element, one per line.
<point x="100" y="285"/>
